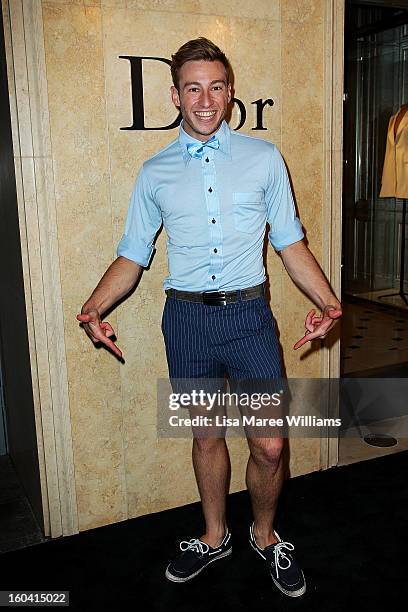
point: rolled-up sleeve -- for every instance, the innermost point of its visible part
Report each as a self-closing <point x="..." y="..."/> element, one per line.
<point x="143" y="221"/>
<point x="285" y="226"/>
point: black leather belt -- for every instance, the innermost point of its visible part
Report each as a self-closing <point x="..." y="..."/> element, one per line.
<point x="218" y="298"/>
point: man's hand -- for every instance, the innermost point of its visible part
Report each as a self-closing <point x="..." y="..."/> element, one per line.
<point x="117" y="281"/>
<point x="319" y="326"/>
<point x="98" y="331"/>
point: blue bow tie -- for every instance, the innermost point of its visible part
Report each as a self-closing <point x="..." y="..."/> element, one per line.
<point x="197" y="150"/>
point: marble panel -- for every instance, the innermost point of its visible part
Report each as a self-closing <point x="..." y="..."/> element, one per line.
<point x="262" y="9"/>
<point x="301" y="11"/>
<point x="76" y="94"/>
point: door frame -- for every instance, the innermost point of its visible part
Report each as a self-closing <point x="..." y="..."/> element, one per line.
<point x="332" y="201"/>
<point x="27" y="85"/>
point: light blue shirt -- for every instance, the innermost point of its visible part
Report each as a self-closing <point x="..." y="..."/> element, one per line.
<point x="214" y="211"/>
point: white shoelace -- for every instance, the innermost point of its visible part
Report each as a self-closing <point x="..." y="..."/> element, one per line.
<point x="280" y="554"/>
<point x="194" y="544"/>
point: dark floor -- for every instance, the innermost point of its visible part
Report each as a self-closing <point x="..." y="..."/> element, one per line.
<point x="18" y="526"/>
<point x="349" y="525"/>
<point x="374" y="338"/>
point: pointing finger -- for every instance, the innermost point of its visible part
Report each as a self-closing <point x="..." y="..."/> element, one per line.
<point x="111" y="345"/>
<point x="302" y="341"/>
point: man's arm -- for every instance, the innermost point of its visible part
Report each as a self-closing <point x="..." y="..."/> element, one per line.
<point x="118" y="280"/>
<point x="306" y="273"/>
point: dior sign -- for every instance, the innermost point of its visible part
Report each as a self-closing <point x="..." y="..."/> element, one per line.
<point x="136" y="79"/>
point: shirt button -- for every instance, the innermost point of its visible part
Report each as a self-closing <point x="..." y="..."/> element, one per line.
<point x="207" y="160"/>
<point x="215" y="251"/>
<point x="213" y="277"/>
<point x="210" y="190"/>
<point x="213" y="221"/>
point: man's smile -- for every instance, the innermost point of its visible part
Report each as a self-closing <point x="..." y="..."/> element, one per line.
<point x="205" y="114"/>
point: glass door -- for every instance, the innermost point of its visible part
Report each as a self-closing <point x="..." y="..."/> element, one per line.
<point x="376" y="86"/>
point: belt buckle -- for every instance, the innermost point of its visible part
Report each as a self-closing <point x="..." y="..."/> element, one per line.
<point x="217" y="298"/>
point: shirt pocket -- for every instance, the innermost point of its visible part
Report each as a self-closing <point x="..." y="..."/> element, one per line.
<point x="249" y="211"/>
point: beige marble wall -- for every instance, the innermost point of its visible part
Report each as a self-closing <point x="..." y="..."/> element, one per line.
<point x="276" y="49"/>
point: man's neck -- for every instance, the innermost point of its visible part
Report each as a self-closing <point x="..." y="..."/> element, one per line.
<point x="201" y="137"/>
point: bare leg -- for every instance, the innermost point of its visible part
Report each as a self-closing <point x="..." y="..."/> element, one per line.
<point x="264" y="480"/>
<point x="212" y="469"/>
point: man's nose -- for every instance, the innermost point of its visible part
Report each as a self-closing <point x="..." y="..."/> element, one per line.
<point x="205" y="98"/>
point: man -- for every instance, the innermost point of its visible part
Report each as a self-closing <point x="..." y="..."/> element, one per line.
<point x="214" y="190"/>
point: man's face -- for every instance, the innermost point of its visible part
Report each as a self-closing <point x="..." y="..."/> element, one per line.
<point x="203" y="97"/>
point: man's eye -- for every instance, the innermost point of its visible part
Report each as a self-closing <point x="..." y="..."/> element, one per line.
<point x="193" y="89"/>
<point x="217" y="87"/>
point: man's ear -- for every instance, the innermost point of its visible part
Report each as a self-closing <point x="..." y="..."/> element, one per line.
<point x="175" y="96"/>
<point x="229" y="91"/>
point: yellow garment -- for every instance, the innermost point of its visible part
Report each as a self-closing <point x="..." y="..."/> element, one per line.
<point x="394" y="182"/>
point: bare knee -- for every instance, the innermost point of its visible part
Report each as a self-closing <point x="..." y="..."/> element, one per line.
<point x="208" y="445"/>
<point x="266" y="451"/>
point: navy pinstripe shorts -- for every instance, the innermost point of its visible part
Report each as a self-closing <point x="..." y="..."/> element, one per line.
<point x="237" y="340"/>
